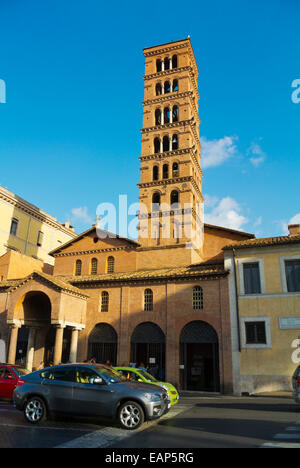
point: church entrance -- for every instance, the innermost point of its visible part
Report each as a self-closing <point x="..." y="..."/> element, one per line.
<point x="103" y="344"/>
<point x="148" y="346"/>
<point x="199" y="357"/>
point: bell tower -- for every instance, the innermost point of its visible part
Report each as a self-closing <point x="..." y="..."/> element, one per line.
<point x="170" y="215"/>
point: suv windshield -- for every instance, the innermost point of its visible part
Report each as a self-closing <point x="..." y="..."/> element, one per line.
<point x="111" y="375"/>
<point x="147" y="376"/>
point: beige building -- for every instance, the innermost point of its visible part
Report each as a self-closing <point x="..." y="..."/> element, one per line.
<point x="26" y="229"/>
<point x="264" y="292"/>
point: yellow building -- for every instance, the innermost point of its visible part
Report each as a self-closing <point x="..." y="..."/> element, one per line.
<point x="264" y="288"/>
<point x="28" y="230"/>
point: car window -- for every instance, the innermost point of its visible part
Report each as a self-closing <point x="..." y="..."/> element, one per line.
<point x="133" y="376"/>
<point x="59" y="373"/>
<point x="6" y="374"/>
<point x="85" y="375"/>
<point x="110" y="375"/>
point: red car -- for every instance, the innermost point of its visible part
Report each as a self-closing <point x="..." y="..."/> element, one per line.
<point x="9" y="378"/>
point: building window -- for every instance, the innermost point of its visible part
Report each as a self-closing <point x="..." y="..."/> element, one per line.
<point x="292" y="272"/>
<point x="174" y="198"/>
<point x="104" y="301"/>
<point x="78" y="267"/>
<point x="40" y="238"/>
<point x="197" y="298"/>
<point x="94" y="266"/>
<point x="251" y="278"/>
<point x="156" y="145"/>
<point x="165" y="171"/>
<point x="158" y="117"/>
<point x="175" y="169"/>
<point x="255" y="333"/>
<point x="174" y="61"/>
<point x="14" y="226"/>
<point x="156" y="201"/>
<point x="155" y="173"/>
<point x="158" y="89"/>
<point x="158" y="65"/>
<point x="148" y="300"/>
<point x="110" y="265"/>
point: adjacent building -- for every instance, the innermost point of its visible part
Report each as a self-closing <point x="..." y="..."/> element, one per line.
<point x="264" y="290"/>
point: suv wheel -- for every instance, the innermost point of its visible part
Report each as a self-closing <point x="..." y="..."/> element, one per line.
<point x="131" y="415"/>
<point x="35" y="410"/>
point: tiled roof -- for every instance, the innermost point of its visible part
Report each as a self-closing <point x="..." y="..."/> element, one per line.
<point x="264" y="242"/>
<point x="189" y="272"/>
<point x="54" y="280"/>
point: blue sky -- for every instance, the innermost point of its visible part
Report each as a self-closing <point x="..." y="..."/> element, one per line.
<point x="70" y="128"/>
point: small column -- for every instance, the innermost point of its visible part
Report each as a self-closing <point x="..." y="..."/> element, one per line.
<point x="13" y="343"/>
<point x="58" y="344"/>
<point x="161" y="146"/>
<point x="74" y="344"/>
<point x="171" y="144"/>
<point x="30" y="348"/>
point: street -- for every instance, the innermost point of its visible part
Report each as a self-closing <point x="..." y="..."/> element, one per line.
<point x="196" y="422"/>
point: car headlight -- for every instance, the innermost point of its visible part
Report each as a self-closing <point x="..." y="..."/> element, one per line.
<point x="153" y="396"/>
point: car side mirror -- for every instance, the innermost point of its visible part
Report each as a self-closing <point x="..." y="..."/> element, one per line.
<point x="99" y="381"/>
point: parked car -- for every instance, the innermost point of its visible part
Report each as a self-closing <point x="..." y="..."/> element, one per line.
<point x="139" y="375"/>
<point x="296" y="385"/>
<point x="9" y="377"/>
<point x="89" y="390"/>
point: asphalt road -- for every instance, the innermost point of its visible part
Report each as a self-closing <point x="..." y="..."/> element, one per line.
<point x="201" y="422"/>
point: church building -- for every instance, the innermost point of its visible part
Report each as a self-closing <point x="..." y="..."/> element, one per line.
<point x="161" y="300"/>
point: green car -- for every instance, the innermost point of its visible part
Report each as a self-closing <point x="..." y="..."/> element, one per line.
<point x="138" y="375"/>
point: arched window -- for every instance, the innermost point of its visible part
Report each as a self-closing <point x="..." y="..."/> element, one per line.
<point x="156" y="201"/>
<point x="197" y="298"/>
<point x="175" y="114"/>
<point x="156" y="145"/>
<point x="158" y="117"/>
<point x="78" y="267"/>
<point x="166" y="143"/>
<point x="175" y="87"/>
<point x="175" y="142"/>
<point x="167" y="63"/>
<point x="165" y="171"/>
<point x="104" y="301"/>
<point x="148" y="300"/>
<point x="94" y="266"/>
<point x="155" y="173"/>
<point x="167" y="87"/>
<point x="158" y="65"/>
<point x="110" y="265"/>
<point x="174" y="198"/>
<point x="166" y="115"/>
<point x="158" y="89"/>
<point x="175" y="169"/>
<point x="174" y="61"/>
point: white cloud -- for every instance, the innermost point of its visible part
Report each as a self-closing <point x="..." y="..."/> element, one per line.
<point x="226" y="212"/>
<point x="216" y="152"/>
<point x="295" y="219"/>
<point x="258" y="155"/>
<point x="81" y="215"/>
<point x="258" y="221"/>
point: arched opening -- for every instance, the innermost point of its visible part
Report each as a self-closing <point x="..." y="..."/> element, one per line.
<point x="94" y="266"/>
<point x="175" y="142"/>
<point x="158" y="117"/>
<point x="158" y="65"/>
<point x="175" y="86"/>
<point x="104" y="301"/>
<point x="165" y="171"/>
<point x="175" y="169"/>
<point x="167" y="63"/>
<point x="158" y="89"/>
<point x="166" y="143"/>
<point x="174" y="198"/>
<point x="110" y="267"/>
<point x="156" y="201"/>
<point x="199" y="356"/>
<point x="148" y="299"/>
<point x="155" y="173"/>
<point x="166" y="115"/>
<point x="148" y="346"/>
<point x="78" y="267"/>
<point x="103" y="344"/>
<point x="156" y="145"/>
<point x="174" y="61"/>
<point x="175" y="114"/>
<point x="167" y="87"/>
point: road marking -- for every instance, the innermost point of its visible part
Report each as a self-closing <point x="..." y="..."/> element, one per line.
<point x="110" y="435"/>
<point x="280" y="445"/>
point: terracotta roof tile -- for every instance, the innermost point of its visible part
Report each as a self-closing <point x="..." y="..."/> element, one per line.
<point x="264" y="242"/>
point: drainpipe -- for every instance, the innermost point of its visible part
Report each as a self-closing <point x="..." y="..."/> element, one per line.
<point x="236" y="299"/>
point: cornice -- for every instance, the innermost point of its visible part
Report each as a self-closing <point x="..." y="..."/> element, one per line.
<point x="95" y="251"/>
<point x="168" y="154"/>
<point x="180" y="123"/>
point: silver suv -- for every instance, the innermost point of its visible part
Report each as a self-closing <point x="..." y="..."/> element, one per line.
<point x="89" y="390"/>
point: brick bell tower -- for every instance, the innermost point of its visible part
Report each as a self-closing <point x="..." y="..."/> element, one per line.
<point x="170" y="215"/>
